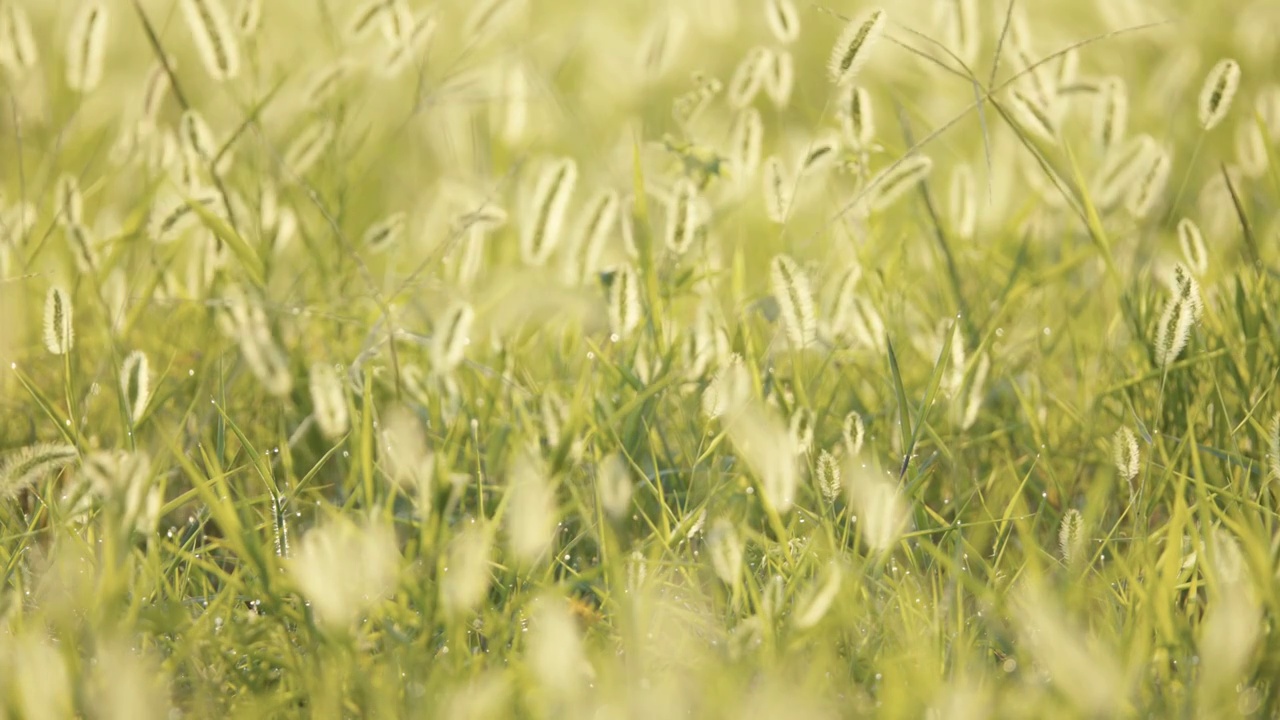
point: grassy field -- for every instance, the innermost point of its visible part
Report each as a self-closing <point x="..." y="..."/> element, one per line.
<point x="675" y="359"/>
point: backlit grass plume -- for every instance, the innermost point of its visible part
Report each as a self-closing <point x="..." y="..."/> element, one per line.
<point x="763" y="441"/>
<point x="1110" y="112"/>
<point x="747" y="139"/>
<point x="1124" y="453"/>
<point x="344" y="568"/>
<point x="1218" y="91"/>
<point x="18" y="50"/>
<point x="540" y="231"/>
<point x="452" y="336"/>
<point x="880" y="507"/>
<point x="1071" y="539"/>
<point x="614" y="485"/>
<point x="1181" y="312"/>
<point x="531" y="512"/>
<point x="854" y="46"/>
<point x="857" y="116"/>
<point x="59" y="332"/>
<point x="795" y="300"/>
<point x="896" y="180"/>
<point x="783" y="19"/>
<point x="777" y="189"/>
<point x="466" y="573"/>
<point x="87" y="46"/>
<point x="25" y="467"/>
<point x="683" y="216"/>
<point x="828" y="476"/>
<point x="328" y="401"/>
<point x="135" y="384"/>
<point x="625" y="311"/>
<point x="1191" y="243"/>
<point x="210" y="27"/>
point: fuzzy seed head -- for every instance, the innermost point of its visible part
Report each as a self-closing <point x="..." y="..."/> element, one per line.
<point x="1217" y="93"/>
<point x="749" y="76"/>
<point x="1173" y="332"/>
<point x="828" y="474"/>
<point x="249" y="17"/>
<point x="466" y="576"/>
<point x="550" y="201"/>
<point x="1191" y="242"/>
<point x="196" y="136"/>
<point x="1124" y="453"/>
<point x="385" y="233"/>
<point x="87" y="47"/>
<point x="211" y="29"/>
<point x="83" y="247"/>
<point x="1110" y="113"/>
<point x="813" y="605"/>
<point x="746" y="141"/>
<point x="452" y="336"/>
<point x="777" y="190"/>
<point x="783" y="19"/>
<point x="613" y="479"/>
<point x="596" y="226"/>
<point x="764" y="443"/>
<point x="881" y="508"/>
<point x="857" y="116"/>
<point x="853" y="432"/>
<point x="1034" y="115"/>
<point x="625" y="312"/>
<point x="531" y="512"/>
<point x="726" y="550"/>
<point x="27" y="466"/>
<point x="794" y="294"/>
<point x="820" y="154"/>
<point x="780" y="78"/>
<point x="896" y="180"/>
<point x="683" y="216"/>
<point x="1147" y="192"/>
<point x="309" y="146"/>
<point x="328" y="401"/>
<point x="1071" y="540"/>
<point x="135" y="384"/>
<point x="854" y="46"/>
<point x="801" y="430"/>
<point x="18" y="50"/>
<point x="556" y="656"/>
<point x="59" y="335"/>
<point x="728" y="390"/>
<point x="344" y="569"/>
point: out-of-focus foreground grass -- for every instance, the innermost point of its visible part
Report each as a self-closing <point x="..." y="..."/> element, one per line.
<point x="698" y="358"/>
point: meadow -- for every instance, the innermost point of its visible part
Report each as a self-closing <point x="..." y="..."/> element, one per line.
<point x="675" y="358"/>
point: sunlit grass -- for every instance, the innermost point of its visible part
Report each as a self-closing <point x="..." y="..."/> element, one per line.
<point x="488" y="359"/>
